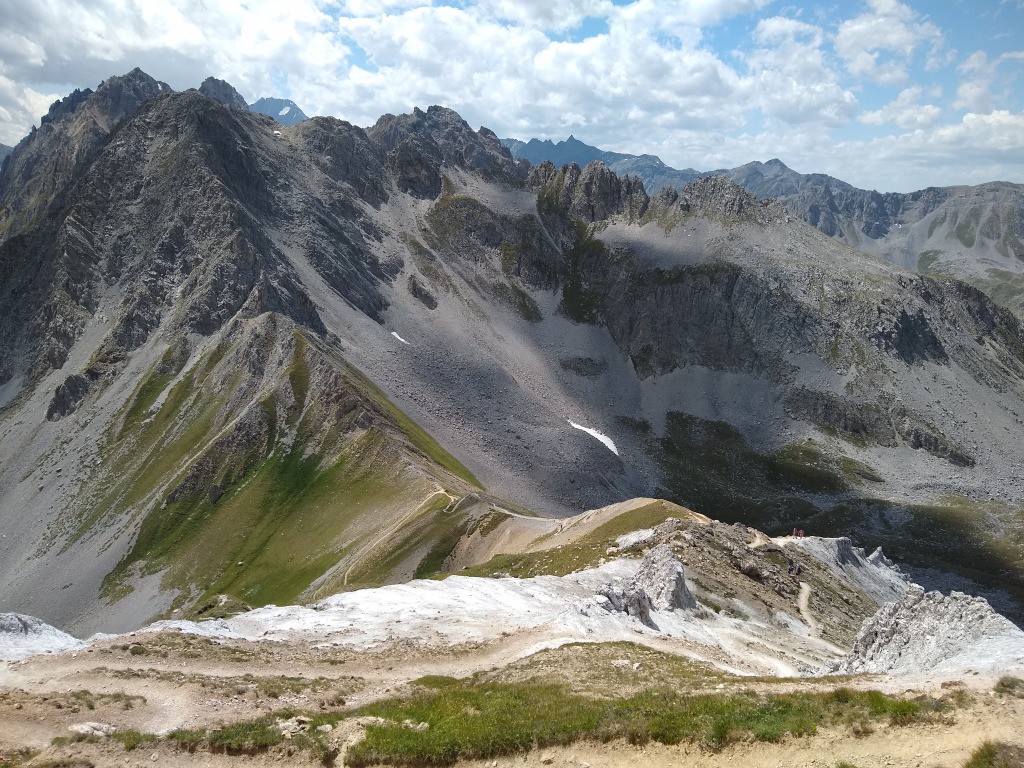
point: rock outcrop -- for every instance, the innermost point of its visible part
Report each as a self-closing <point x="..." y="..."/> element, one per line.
<point x="658" y="585"/>
<point x="421" y="143"/>
<point x="590" y="194"/>
<point x="930" y="633"/>
<point x="663" y="579"/>
<point x="22" y="636"/>
<point x="875" y="574"/>
<point x="631" y="600"/>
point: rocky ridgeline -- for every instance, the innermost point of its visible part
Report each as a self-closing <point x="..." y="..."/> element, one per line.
<point x="421" y="143"/>
<point x="928" y="632"/>
<point x="719" y="198"/>
<point x="590" y="194"/>
<point x="224" y="92"/>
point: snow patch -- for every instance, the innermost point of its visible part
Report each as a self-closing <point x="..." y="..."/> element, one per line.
<point x="594" y="433"/>
<point x="285" y="111"/>
<point x="395" y="334"/>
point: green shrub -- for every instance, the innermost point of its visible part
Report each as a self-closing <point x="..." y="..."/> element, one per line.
<point x="1008" y="685"/>
<point x="246" y="736"/>
<point x="132" y="739"/>
<point x="187" y="738"/>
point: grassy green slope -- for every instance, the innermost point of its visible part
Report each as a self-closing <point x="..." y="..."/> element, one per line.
<point x="256" y="486"/>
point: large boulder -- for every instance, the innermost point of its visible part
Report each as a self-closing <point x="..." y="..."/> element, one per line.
<point x="662" y="578"/>
<point x="631" y="600"/>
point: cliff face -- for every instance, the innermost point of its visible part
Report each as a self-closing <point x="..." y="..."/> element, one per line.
<point x="272" y="361"/>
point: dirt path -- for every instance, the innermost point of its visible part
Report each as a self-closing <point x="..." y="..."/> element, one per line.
<point x="367" y="550"/>
<point x="805" y="611"/>
<point x="760" y="540"/>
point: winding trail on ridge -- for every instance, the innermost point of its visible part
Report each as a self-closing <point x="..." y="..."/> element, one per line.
<point x="367" y="550"/>
<point x="805" y="611"/>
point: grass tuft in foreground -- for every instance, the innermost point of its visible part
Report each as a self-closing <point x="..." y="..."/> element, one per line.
<point x="1008" y="685"/>
<point x="133" y="739"/>
<point x="994" y="754"/>
<point x="466" y="720"/>
<point x="446" y="720"/>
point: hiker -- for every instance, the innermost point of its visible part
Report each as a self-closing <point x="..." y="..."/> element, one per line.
<point x="790" y="569"/>
<point x="798" y="569"/>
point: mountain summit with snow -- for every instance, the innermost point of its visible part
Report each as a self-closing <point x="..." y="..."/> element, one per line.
<point x="284" y="111"/>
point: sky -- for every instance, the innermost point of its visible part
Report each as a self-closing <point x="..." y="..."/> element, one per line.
<point x="887" y="95"/>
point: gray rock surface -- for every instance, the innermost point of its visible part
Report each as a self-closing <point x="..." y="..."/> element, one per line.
<point x="931" y="633"/>
<point x="22" y="636"/>
<point x="631" y="600"/>
<point x="662" y="577"/>
<point x="92" y="729"/>
<point x="224" y="92"/>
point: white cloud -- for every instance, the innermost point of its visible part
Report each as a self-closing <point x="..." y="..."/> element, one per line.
<point x="657" y="79"/>
<point x="552" y="15"/>
<point x="704" y="13"/>
<point x="879" y="44"/>
<point x="485" y="68"/>
<point x="905" y="111"/>
<point x="790" y="79"/>
<point x="980" y="76"/>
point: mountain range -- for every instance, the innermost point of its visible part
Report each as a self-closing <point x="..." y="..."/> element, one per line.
<point x="273" y="362"/>
<point x="973" y="233"/>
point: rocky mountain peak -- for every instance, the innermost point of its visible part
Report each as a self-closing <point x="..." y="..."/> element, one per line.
<point x="64" y="145"/>
<point x="774" y="166"/>
<point x="224" y="92"/>
<point x="593" y="193"/>
<point x="119" y="97"/>
<point x="421" y="143"/>
<point x="718" y="196"/>
<point x="284" y="111"/>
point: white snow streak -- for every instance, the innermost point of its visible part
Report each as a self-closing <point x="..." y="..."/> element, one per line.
<point x="395" y="334"/>
<point x="285" y="111"/>
<point x="594" y="433"/>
